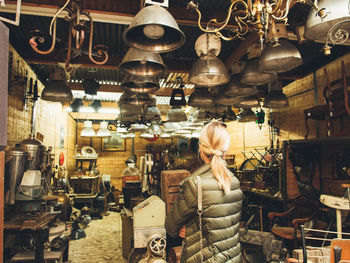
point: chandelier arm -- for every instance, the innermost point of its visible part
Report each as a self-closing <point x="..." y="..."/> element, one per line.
<point x="34" y="45"/>
<point x="69" y="46"/>
<point x="278" y="5"/>
<point x="100" y="52"/>
<point x="284" y="17"/>
<point x="57" y="13"/>
<point x="79" y="39"/>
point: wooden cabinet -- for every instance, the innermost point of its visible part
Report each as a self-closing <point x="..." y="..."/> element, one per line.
<point x="170" y="185"/>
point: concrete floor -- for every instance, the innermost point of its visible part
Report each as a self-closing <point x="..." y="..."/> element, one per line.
<point x="102" y="243"/>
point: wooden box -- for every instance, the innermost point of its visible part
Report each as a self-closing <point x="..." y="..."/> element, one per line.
<point x="170" y="185"/>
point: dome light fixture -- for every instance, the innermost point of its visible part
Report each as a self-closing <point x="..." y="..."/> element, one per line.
<point x="88" y="131"/>
<point x="201" y="98"/>
<point x="253" y="76"/>
<point x="153" y="29"/>
<point x="56" y="89"/>
<point x="103" y="131"/>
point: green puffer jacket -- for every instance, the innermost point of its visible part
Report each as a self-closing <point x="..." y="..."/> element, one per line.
<point x="220" y="219"/>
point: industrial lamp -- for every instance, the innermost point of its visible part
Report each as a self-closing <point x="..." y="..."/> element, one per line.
<point x="154" y="29"/>
<point x="140" y="84"/>
<point x="88" y="131"/>
<point x="253" y="76"/>
<point x="103" y="131"/>
<point x="201" y="98"/>
<point x="276" y="98"/>
<point x="56" y="88"/>
<point x="129" y="98"/>
<point x="142" y="63"/>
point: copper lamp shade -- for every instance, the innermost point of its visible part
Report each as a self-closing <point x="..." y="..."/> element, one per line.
<point x="142" y="63"/>
<point x="224" y="100"/>
<point x="129" y="98"/>
<point x="56" y="89"/>
<point x="209" y="71"/>
<point x="201" y="98"/>
<point x="276" y="99"/>
<point x="281" y="58"/>
<point x="153" y="29"/>
<point x="253" y="76"/>
<point x="139" y="84"/>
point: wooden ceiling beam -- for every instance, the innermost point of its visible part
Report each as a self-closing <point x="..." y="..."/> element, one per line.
<point x="111" y="11"/>
<point x="175" y="66"/>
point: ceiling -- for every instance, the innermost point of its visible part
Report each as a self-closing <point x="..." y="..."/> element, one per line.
<point x="112" y="17"/>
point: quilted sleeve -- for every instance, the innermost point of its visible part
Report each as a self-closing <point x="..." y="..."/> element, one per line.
<point x="184" y="208"/>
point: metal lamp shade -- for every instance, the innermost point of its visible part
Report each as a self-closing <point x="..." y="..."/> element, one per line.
<point x="246" y="115"/>
<point x="252" y="76"/>
<point x="248" y="102"/>
<point x="139" y="84"/>
<point x="103" y="131"/>
<point x="280" y="58"/>
<point x="336" y="10"/>
<point x="153" y="113"/>
<point x="129" y="98"/>
<point x="236" y="89"/>
<point x="276" y="99"/>
<point x="170" y="127"/>
<point x="129" y="113"/>
<point x="142" y="63"/>
<point x="154" y="29"/>
<point x="57" y="91"/>
<point x="176" y="115"/>
<point x="224" y="100"/>
<point x="88" y="131"/>
<point x="201" y="98"/>
<point x="199" y="116"/>
<point x="209" y="71"/>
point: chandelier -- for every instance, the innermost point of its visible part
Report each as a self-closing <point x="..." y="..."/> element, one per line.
<point x="257" y="15"/>
<point x="79" y="29"/>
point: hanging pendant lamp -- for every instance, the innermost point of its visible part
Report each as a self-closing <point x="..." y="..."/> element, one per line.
<point x="56" y="89"/>
<point x="208" y="71"/>
<point x="248" y="102"/>
<point x="253" y="76"/>
<point x="176" y="114"/>
<point x="246" y="115"/>
<point x="224" y="100"/>
<point x="154" y="29"/>
<point x="201" y="98"/>
<point x="142" y="63"/>
<point x="199" y="116"/>
<point x="139" y="84"/>
<point x="153" y="113"/>
<point x="237" y="89"/>
<point x="88" y="131"/>
<point x="103" y="131"/>
<point x="279" y="57"/>
<point x="129" y="98"/>
<point x="276" y="98"/>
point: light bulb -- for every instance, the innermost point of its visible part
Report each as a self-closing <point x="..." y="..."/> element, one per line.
<point x="153" y="31"/>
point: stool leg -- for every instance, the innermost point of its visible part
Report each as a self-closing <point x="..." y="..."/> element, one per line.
<point x="339" y="227"/>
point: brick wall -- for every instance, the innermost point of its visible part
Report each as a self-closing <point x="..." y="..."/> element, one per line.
<point x="51" y="120"/>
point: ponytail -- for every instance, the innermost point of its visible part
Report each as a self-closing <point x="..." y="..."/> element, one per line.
<point x="214" y="141"/>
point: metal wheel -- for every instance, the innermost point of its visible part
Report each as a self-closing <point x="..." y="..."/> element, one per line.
<point x="157" y="245"/>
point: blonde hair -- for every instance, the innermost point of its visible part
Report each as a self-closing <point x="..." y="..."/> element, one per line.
<point x="214" y="141"/>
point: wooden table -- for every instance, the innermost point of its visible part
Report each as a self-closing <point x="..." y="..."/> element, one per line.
<point x="38" y="224"/>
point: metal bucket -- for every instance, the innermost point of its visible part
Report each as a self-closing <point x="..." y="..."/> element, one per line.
<point x="36" y="150"/>
<point x="16" y="162"/>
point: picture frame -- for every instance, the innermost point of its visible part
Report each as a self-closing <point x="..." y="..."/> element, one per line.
<point x="115" y="143"/>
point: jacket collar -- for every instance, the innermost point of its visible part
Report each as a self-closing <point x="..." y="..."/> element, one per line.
<point x="203" y="169"/>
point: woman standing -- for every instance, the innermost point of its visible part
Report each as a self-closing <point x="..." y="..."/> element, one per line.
<point x="221" y="201"/>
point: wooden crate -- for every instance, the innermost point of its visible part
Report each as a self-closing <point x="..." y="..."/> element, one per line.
<point x="170" y="185"/>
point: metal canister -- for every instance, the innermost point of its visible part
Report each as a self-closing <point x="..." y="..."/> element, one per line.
<point x="16" y="163"/>
<point x="36" y="150"/>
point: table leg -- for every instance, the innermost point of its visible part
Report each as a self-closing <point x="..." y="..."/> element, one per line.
<point x="66" y="253"/>
<point x="39" y="240"/>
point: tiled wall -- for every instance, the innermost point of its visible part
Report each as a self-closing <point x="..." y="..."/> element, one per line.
<point x="51" y="120"/>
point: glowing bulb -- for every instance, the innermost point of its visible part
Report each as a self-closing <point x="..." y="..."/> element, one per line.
<point x="153" y="31"/>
